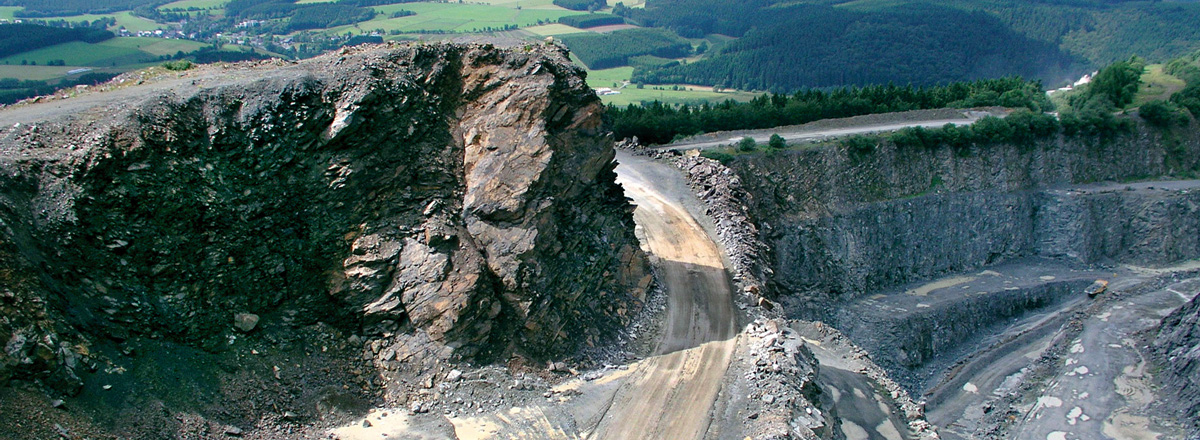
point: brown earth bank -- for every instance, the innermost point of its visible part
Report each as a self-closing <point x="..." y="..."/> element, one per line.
<point x="263" y="249"/>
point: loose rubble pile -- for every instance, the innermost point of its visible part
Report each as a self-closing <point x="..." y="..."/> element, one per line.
<point x="772" y="387"/>
<point x="721" y="190"/>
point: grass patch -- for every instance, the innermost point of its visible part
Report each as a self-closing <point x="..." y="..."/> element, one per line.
<point x="451" y="17"/>
<point x="201" y="4"/>
<point x="35" y="73"/>
<point x="155" y="46"/>
<point x="121" y="52"/>
<point x="1156" y="85"/>
<point x="126" y="18"/>
<point x="547" y="30"/>
<point x="632" y="95"/>
<point x="78" y="53"/>
<point x="6" y="12"/>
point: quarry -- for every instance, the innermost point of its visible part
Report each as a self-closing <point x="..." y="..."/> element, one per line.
<point x="444" y="241"/>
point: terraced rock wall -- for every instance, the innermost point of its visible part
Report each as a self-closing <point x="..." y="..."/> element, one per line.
<point x="841" y="225"/>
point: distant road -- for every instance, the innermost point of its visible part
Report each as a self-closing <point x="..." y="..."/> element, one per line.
<point x="808" y="133"/>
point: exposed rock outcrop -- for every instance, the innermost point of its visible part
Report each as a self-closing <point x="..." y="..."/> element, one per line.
<point x="841" y="224"/>
<point x="450" y="198"/>
<point x="1177" y="345"/>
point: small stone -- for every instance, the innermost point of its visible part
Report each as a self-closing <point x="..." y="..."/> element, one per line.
<point x="233" y="431"/>
<point x="107" y="387"/>
<point x="454" y="376"/>
<point x="366" y="423"/>
<point x="56" y="403"/>
<point x="245" y="321"/>
<point x="768" y="398"/>
<point x="288" y="415"/>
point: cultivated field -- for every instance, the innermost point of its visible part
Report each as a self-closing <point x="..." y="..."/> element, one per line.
<point x="121" y="52"/>
<point x="630" y="94"/>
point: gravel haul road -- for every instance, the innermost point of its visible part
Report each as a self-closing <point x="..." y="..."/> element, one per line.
<point x="671" y="393"/>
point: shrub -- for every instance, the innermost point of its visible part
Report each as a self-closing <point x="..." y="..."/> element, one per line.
<point x="776" y="142"/>
<point x="718" y="156"/>
<point x="1162" y="114"/>
<point x="858" y="145"/>
<point x="747" y="144"/>
<point x="178" y="65"/>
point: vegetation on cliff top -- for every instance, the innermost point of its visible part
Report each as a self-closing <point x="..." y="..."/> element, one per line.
<point x="658" y="123"/>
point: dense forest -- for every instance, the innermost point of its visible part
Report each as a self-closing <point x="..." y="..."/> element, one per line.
<point x="17" y="38"/>
<point x="796" y="46"/>
<point x="581" y="5"/>
<point x="787" y="45"/>
<point x="602" y="51"/>
<point x="51" y="8"/>
<point x="658" y="123"/>
<point x="584" y="21"/>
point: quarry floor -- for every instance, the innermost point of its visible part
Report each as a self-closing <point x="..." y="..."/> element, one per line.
<point x="1076" y="369"/>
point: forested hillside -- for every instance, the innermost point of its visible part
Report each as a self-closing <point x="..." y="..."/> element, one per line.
<point x="602" y="51"/>
<point x="789" y="44"/>
<point x="797" y="46"/>
<point x="17" y="38"/>
<point x="50" y="8"/>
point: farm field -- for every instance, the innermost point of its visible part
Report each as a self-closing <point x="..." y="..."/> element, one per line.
<point x="632" y="95"/>
<point x="549" y="30"/>
<point x="202" y="4"/>
<point x="35" y="73"/>
<point x="117" y="52"/>
<point x="124" y="18"/>
<point x="6" y="12"/>
<point x="451" y="17"/>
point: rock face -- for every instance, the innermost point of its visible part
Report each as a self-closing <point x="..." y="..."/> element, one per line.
<point x="1177" y="346"/>
<point x="840" y="225"/>
<point x="461" y="194"/>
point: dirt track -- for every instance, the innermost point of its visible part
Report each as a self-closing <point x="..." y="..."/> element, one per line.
<point x="671" y="394"/>
<point x="837" y="127"/>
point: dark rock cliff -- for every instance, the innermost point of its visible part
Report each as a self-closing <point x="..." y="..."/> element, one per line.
<point x="452" y="198"/>
<point x="841" y="225"/>
<point x="1177" y="345"/>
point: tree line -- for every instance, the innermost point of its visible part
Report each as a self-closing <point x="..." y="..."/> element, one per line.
<point x="53" y="8"/>
<point x="582" y="5"/>
<point x="584" y="21"/>
<point x="24" y="37"/>
<point x="658" y="123"/>
<point x="1090" y="113"/>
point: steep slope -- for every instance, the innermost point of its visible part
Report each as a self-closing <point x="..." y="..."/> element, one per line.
<point x="1177" y="345"/>
<point x="432" y="201"/>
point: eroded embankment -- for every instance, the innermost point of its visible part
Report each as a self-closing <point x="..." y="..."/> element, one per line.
<point x="404" y="203"/>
